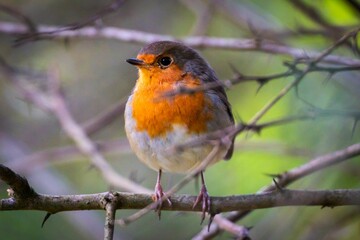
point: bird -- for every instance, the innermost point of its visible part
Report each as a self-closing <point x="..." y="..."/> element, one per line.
<point x="156" y="121"/>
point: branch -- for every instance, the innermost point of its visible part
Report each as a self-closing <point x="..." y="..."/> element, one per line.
<point x="261" y="80"/>
<point x="118" y="200"/>
<point x="20" y="186"/>
<point x="195" y="172"/>
<point x="51" y="100"/>
<point x="60" y="203"/>
<point x="110" y="207"/>
<point x="28" y="163"/>
<point x="128" y="35"/>
<point x="105" y="118"/>
<point x="289" y="177"/>
<point x="20" y="16"/>
<point x="233" y="131"/>
<point x="314" y="15"/>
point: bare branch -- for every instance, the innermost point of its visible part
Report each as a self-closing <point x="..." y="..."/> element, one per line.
<point x="262" y="80"/>
<point x="127" y="35"/>
<point x="314" y="15"/>
<point x="94" y="19"/>
<point x="18" y="184"/>
<point x="53" y="155"/>
<point x="355" y="5"/>
<point x="53" y="102"/>
<point x="175" y="188"/>
<point x="204" y="12"/>
<point x="110" y="208"/>
<point x="289" y="177"/>
<point x="20" y="16"/>
<point x="104" y="118"/>
<point x="60" y="203"/>
<point x="241" y="232"/>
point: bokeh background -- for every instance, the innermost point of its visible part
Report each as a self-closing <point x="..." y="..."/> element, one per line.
<point x="95" y="76"/>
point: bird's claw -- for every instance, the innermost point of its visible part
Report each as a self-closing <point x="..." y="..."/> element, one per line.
<point x="205" y="199"/>
<point x="159" y="197"/>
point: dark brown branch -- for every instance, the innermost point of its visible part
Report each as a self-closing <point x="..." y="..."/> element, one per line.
<point x="333" y="31"/>
<point x="289" y="177"/>
<point x="313" y="14"/>
<point x="61" y="203"/>
<point x="18" y="184"/>
<point x="20" y="16"/>
<point x="355" y="5"/>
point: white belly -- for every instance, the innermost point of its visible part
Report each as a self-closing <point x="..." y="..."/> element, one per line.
<point x="160" y="153"/>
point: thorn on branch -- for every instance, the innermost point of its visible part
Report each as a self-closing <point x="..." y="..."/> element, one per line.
<point x="253" y="127"/>
<point x="277" y="185"/>
<point x="47" y="216"/>
<point x="261" y="84"/>
<point x="328" y="77"/>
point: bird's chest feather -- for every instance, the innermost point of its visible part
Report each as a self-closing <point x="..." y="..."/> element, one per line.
<point x="158" y="114"/>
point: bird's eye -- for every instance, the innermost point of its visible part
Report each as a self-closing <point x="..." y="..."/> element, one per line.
<point x="165" y="61"/>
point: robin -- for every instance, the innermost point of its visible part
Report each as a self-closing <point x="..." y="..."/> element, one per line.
<point x="155" y="123"/>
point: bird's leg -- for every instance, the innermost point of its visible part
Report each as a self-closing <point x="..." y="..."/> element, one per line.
<point x="159" y="194"/>
<point x="203" y="197"/>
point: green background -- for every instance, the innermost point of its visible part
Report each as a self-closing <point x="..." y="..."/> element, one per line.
<point x="94" y="75"/>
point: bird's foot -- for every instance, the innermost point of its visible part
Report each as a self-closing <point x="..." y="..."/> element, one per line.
<point x="159" y="197"/>
<point x="205" y="199"/>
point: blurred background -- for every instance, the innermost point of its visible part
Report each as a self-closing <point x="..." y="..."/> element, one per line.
<point x="95" y="76"/>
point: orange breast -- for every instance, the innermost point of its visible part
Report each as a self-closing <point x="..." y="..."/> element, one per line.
<point x="156" y="114"/>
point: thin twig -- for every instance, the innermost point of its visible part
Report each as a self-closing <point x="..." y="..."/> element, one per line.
<point x="64" y="153"/>
<point x="299" y="77"/>
<point x="270" y="104"/>
<point x="53" y="102"/>
<point x="314" y="15"/>
<point x="105" y="118"/>
<point x="94" y="19"/>
<point x="262" y="80"/>
<point x="20" y="16"/>
<point x="174" y="189"/>
<point x="128" y="35"/>
<point x="316" y="164"/>
<point x="241" y="232"/>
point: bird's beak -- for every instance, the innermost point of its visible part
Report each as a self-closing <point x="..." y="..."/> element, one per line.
<point x="135" y="61"/>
